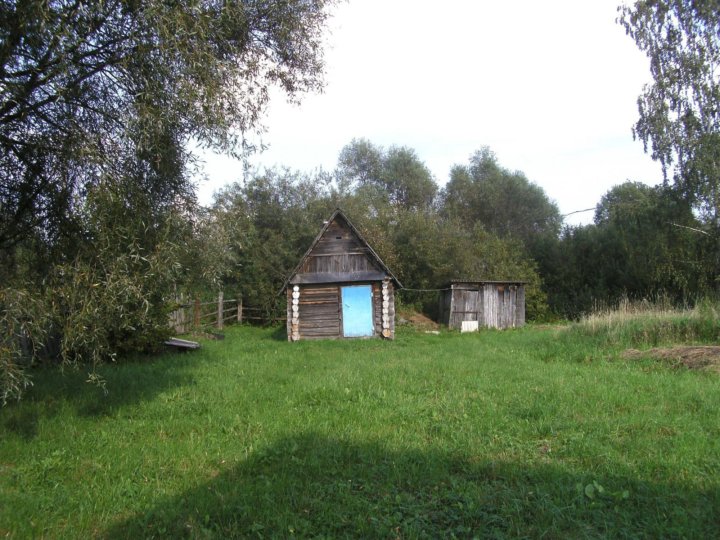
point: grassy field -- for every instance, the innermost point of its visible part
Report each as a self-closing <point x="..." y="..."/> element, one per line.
<point x="539" y="432"/>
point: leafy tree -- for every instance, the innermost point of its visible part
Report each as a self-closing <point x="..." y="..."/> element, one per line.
<point x="114" y="296"/>
<point x="21" y="318"/>
<point x="397" y="172"/>
<point x="390" y="197"/>
<point x="273" y="217"/>
<point x="219" y="239"/>
<point x="360" y="163"/>
<point x="276" y="215"/>
<point x="505" y="203"/>
<point x="643" y="244"/>
<point x="654" y="231"/>
<point x="98" y="104"/>
<point x="408" y="180"/>
<point x="111" y="297"/>
<point x="431" y="250"/>
<point x="574" y="282"/>
<point x="87" y="86"/>
<point x="680" y="111"/>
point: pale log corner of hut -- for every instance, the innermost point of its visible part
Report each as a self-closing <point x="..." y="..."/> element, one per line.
<point x="469" y="305"/>
<point x="340" y="288"/>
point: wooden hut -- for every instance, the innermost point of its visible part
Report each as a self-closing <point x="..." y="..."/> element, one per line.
<point x="470" y="305"/>
<point x="340" y="288"/>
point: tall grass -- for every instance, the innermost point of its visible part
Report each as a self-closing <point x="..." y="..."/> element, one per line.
<point x="652" y="323"/>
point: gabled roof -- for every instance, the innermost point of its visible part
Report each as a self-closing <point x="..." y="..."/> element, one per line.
<point x="370" y="253"/>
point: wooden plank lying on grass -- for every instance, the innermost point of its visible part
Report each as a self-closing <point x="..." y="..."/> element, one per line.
<point x="182" y="343"/>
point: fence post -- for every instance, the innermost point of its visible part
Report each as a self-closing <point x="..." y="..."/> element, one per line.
<point x="196" y="313"/>
<point x="239" y="311"/>
<point x="220" y="311"/>
<point x="181" y="320"/>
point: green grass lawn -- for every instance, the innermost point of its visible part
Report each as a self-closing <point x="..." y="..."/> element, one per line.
<point x="526" y="433"/>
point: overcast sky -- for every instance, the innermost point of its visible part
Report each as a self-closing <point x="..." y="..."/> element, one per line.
<point x="550" y="87"/>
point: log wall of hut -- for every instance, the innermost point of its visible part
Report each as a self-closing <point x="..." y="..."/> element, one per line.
<point x="319" y="313"/>
<point x="493" y="304"/>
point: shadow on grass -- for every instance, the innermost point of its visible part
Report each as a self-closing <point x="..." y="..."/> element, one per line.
<point x="314" y="486"/>
<point x="132" y="381"/>
<point x="279" y="333"/>
<point x="23" y="422"/>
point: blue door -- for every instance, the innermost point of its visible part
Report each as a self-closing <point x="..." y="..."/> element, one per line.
<point x="357" y="311"/>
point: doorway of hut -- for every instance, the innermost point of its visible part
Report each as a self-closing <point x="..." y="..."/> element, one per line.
<point x="357" y="311"/>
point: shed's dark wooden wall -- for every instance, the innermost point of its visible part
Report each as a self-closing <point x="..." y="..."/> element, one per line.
<point x="493" y="305"/>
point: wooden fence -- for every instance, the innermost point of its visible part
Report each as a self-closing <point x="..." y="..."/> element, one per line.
<point x="197" y="315"/>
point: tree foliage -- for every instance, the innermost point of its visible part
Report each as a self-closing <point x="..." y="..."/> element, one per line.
<point x="98" y="104"/>
<point x="431" y="250"/>
<point x="273" y="216"/>
<point x="680" y="111"/>
<point x="642" y="245"/>
<point x="282" y="212"/>
<point x="396" y="172"/>
<point x="89" y="87"/>
<point x="110" y="288"/>
<point x="115" y="295"/>
<point x="504" y="202"/>
<point x="111" y="297"/>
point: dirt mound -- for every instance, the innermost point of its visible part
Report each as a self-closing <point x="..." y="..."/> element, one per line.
<point x="690" y="356"/>
<point x="417" y="320"/>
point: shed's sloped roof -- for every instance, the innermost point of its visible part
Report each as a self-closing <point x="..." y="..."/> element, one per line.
<point x="339" y="277"/>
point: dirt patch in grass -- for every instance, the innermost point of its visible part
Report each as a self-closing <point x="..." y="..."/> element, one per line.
<point x="705" y="358"/>
<point x="417" y="320"/>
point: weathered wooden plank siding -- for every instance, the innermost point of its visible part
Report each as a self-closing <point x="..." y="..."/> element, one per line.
<point x="320" y="311"/>
<point x="338" y="240"/>
<point x="481" y="314"/>
<point x="509" y="306"/>
<point x="492" y="304"/>
<point x="345" y="262"/>
<point x="468" y="304"/>
<point x="506" y="307"/>
<point x="457" y="309"/>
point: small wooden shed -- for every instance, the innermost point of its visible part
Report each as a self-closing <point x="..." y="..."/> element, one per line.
<point x="470" y="305"/>
<point x="340" y="288"/>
